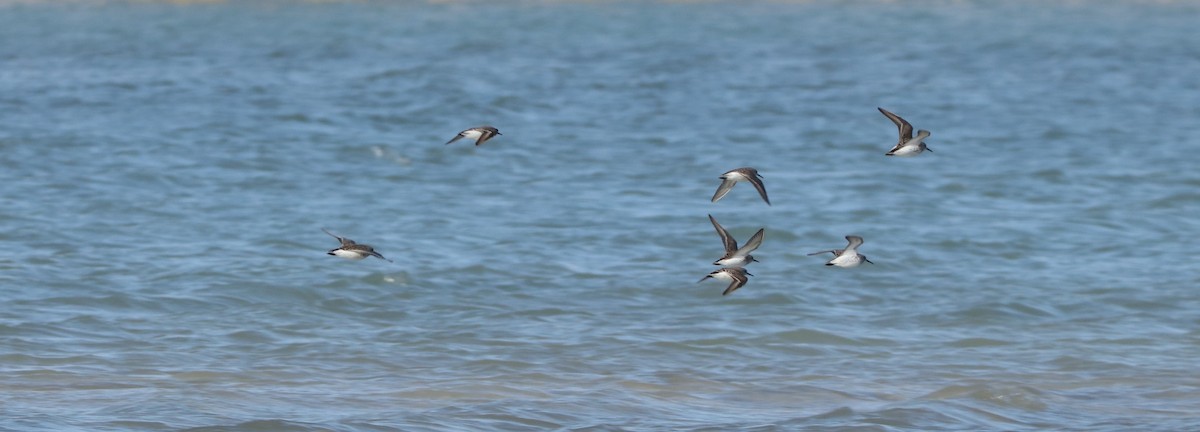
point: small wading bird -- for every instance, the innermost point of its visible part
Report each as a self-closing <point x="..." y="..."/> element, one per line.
<point x="480" y="134"/>
<point x="736" y="276"/>
<point x="907" y="146"/>
<point x="741" y="174"/>
<point x="351" y="250"/>
<point x="735" y="257"/>
<point x="848" y="257"/>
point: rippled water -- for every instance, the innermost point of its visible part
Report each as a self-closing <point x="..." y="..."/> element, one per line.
<point x="167" y="170"/>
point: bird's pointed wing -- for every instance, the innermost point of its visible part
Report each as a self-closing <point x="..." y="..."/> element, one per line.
<point x="752" y="244"/>
<point x="832" y="251"/>
<point x="739" y="279"/>
<point x="484" y="135"/>
<point x="377" y="255"/>
<point x="457" y="137"/>
<point x="726" y="185"/>
<point x="762" y="190"/>
<point x="726" y="239"/>
<point x="855" y="241"/>
<point x="902" y="126"/>
<point x="344" y="241"/>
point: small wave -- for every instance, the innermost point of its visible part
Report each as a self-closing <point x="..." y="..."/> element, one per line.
<point x="976" y="342"/>
<point x="274" y="425"/>
<point x="1004" y="395"/>
<point x="824" y="338"/>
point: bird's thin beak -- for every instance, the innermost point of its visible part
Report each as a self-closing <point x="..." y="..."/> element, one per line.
<point x="703" y="278"/>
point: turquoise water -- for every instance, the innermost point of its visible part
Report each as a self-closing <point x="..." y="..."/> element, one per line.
<point x="167" y="170"/>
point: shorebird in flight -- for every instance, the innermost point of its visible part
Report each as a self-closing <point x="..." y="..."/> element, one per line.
<point x="351" y="250"/>
<point x="908" y="145"/>
<point x="480" y="134"/>
<point x="734" y="256"/>
<point x="848" y="257"/>
<point x="736" y="276"/>
<point x="741" y="174"/>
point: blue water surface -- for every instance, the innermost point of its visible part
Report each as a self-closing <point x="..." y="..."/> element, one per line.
<point x="166" y="170"/>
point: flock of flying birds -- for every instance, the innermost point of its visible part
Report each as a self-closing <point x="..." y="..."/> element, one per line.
<point x="733" y="263"/>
